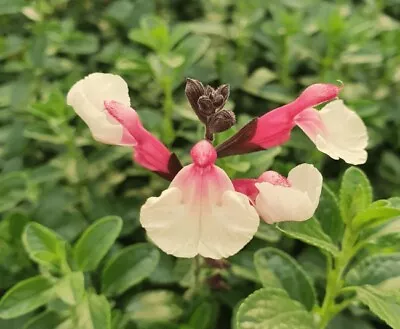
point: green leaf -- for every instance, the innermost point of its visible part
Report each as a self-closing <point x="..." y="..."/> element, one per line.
<point x="271" y="308"/>
<point x="17" y="222"/>
<point x="12" y="190"/>
<point x="44" y="246"/>
<point x="159" y="306"/>
<point x="71" y="288"/>
<point x="328" y="214"/>
<point x="277" y="269"/>
<point x="79" y="43"/>
<point x="14" y="7"/>
<point x="309" y="232"/>
<point x="257" y="80"/>
<point x="96" y="241"/>
<point x="26" y="296"/>
<point x="128" y="267"/>
<point x="233" y="72"/>
<point x="268" y="233"/>
<point x="355" y="193"/>
<point x="153" y="33"/>
<point x="67" y="324"/>
<point x="394" y="202"/>
<point x="384" y="305"/>
<point x="374" y="215"/>
<point x="94" y="313"/>
<point x="204" y="316"/>
<point x="45" y="320"/>
<point x="242" y="266"/>
<point x="193" y="48"/>
<point x="374" y="269"/>
<point x="164" y="271"/>
<point x="342" y="321"/>
<point x="16" y="323"/>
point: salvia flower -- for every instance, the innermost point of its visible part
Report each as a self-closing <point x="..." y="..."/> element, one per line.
<point x="335" y="130"/>
<point x="203" y="211"/>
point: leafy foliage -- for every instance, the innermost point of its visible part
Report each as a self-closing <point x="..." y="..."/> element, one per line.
<point x="72" y="251"/>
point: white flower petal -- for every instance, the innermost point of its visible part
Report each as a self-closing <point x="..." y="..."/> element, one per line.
<point x="308" y="179"/>
<point x="230" y="226"/>
<point x="276" y="203"/>
<point x="87" y="97"/>
<point x="200" y="213"/>
<point x="170" y="225"/>
<point x="342" y="133"/>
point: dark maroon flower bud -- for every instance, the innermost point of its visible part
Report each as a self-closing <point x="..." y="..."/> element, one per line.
<point x="194" y="90"/>
<point x="206" y="106"/>
<point x="223" y="90"/>
<point x="221" y="121"/>
<point x="217" y="282"/>
<point x="217" y="263"/>
<point x="205" y="101"/>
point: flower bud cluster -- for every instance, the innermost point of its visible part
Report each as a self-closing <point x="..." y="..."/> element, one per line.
<point x="208" y="104"/>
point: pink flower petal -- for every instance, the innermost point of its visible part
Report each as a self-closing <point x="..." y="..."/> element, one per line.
<point x="274" y="128"/>
<point x="246" y="186"/>
<point x="150" y="153"/>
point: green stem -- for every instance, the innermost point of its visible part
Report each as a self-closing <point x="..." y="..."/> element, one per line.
<point x="168" y="108"/>
<point x="334" y="279"/>
<point x="195" y="285"/>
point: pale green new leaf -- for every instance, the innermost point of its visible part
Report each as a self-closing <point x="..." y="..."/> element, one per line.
<point x="44" y="246"/>
<point x="158" y="306"/>
<point x="93" y="313"/>
<point x="71" y="288"/>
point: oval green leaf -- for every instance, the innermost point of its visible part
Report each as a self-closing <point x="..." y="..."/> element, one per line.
<point x="96" y="241"/>
<point x="94" y="312"/>
<point x="277" y="269"/>
<point x="384" y="305"/>
<point x="44" y="246"/>
<point x="71" y="288"/>
<point x="271" y="308"/>
<point x="128" y="267"/>
<point x="25" y="297"/>
<point x="309" y="232"/>
<point x="374" y="269"/>
<point x="355" y="193"/>
<point x="373" y="216"/>
<point x="46" y="320"/>
<point x="158" y="306"/>
<point x="328" y="214"/>
<point x="204" y="316"/>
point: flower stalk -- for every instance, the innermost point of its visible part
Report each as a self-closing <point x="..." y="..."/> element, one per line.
<point x="335" y="271"/>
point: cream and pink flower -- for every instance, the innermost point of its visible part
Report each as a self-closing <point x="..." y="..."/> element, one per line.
<point x="200" y="212"/>
<point x="203" y="211"/>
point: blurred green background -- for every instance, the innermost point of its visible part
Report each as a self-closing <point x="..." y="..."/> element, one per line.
<point x="53" y="172"/>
